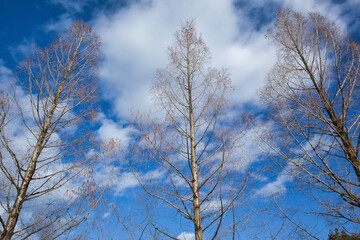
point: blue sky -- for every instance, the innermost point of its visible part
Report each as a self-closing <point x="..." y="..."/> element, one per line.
<point x="135" y="35"/>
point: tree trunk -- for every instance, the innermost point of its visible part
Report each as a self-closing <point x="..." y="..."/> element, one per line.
<point x="194" y="166"/>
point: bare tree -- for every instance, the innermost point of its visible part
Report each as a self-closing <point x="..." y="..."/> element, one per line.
<point x="313" y="94"/>
<point x="46" y="184"/>
<point x="189" y="150"/>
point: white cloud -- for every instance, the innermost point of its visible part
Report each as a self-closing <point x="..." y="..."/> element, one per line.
<point x="275" y="187"/>
<point x="214" y="205"/>
<point x="4" y="71"/>
<point x="60" y="25"/>
<point x="110" y="129"/>
<point x="135" y="41"/>
<point x="121" y="181"/>
<point x="186" y="236"/>
<point x="71" y="5"/>
<point x="5" y="77"/>
<point x="291" y="170"/>
<point x="259" y="177"/>
<point x="125" y="181"/>
<point x="178" y="181"/>
<point x="25" y="49"/>
<point x="249" y="147"/>
<point x="325" y="8"/>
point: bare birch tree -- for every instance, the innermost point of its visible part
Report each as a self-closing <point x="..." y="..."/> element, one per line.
<point x="313" y="93"/>
<point x="46" y="184"/>
<point x="190" y="149"/>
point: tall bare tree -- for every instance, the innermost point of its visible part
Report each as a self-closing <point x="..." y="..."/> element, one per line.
<point x="313" y="93"/>
<point x="189" y="150"/>
<point x="46" y="184"/>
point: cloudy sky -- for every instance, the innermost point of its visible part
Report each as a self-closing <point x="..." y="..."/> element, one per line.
<point x="136" y="33"/>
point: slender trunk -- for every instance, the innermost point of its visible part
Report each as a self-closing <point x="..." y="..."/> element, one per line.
<point x="195" y="186"/>
<point x="194" y="166"/>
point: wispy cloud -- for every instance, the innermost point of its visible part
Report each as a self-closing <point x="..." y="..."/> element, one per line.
<point x="120" y="180"/>
<point x="63" y="22"/>
<point x="276" y="187"/>
<point x="71" y="5"/>
<point x="25" y="49"/>
<point x="186" y="236"/>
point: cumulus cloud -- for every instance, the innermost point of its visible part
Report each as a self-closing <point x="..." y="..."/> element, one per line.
<point x="135" y="41"/>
